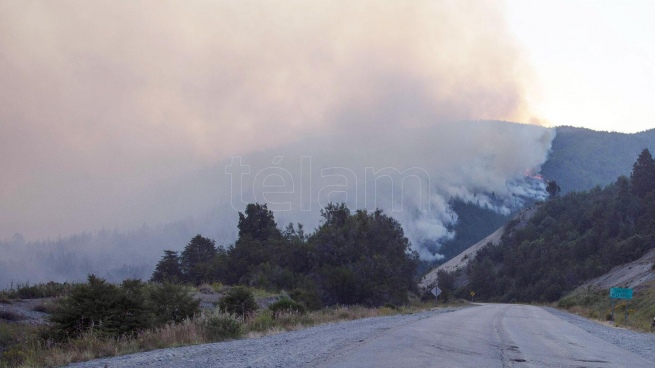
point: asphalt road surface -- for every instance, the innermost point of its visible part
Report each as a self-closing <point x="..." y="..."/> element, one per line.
<point x="491" y="335"/>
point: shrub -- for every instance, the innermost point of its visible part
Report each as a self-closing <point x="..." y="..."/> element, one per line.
<point x="308" y="297"/>
<point x="172" y="303"/>
<point x="238" y="300"/>
<point x="286" y="305"/>
<point x="11" y="316"/>
<point x="111" y="310"/>
<point x="222" y="327"/>
<point x="262" y="322"/>
<point x="45" y="290"/>
<point x="45" y="307"/>
<point x="101" y="307"/>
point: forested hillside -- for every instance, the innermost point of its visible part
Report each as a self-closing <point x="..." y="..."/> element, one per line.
<point x="570" y="239"/>
<point x="581" y="158"/>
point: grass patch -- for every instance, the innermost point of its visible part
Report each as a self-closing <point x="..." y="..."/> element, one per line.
<point x="42" y="290"/>
<point x="596" y="304"/>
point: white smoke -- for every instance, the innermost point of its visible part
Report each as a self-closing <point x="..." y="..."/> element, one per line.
<point x="412" y="174"/>
<point x="112" y="112"/>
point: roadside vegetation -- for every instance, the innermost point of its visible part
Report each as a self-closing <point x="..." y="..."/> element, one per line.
<point x="108" y="332"/>
<point x="596" y="304"/>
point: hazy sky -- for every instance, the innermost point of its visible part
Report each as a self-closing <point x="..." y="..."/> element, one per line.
<point x="102" y="100"/>
<point x="594" y="60"/>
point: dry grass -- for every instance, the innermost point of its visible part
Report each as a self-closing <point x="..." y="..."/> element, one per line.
<point x="598" y="306"/>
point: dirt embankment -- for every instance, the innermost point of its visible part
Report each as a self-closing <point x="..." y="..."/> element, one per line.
<point x="630" y="275"/>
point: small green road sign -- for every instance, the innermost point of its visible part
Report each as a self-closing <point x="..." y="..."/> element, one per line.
<point x="620" y="293"/>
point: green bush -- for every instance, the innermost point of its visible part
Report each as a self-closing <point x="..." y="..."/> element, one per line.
<point x="239" y="301"/>
<point x="112" y="310"/>
<point x="102" y="307"/>
<point x="172" y="303"/>
<point x="308" y="297"/>
<point x="222" y="327"/>
<point x="262" y="322"/>
<point x="286" y="305"/>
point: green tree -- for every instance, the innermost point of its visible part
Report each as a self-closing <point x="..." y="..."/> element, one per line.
<point x="259" y="242"/>
<point x="446" y="282"/>
<point x="363" y="258"/>
<point x="196" y="260"/>
<point x="168" y="269"/>
<point x="643" y="174"/>
<point x="258" y="223"/>
<point x="552" y="188"/>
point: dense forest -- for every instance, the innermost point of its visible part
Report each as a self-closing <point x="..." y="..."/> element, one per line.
<point x="569" y="240"/>
<point x="351" y="258"/>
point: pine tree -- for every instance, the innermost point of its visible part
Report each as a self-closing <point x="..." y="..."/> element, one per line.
<point x="196" y="260"/>
<point x="258" y="223"/>
<point x="643" y="174"/>
<point x="168" y="269"/>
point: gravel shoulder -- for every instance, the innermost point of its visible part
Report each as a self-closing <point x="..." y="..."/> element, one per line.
<point x="304" y="348"/>
<point x="636" y="342"/>
<point x="24" y="310"/>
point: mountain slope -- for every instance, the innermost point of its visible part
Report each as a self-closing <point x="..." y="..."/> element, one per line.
<point x="568" y="241"/>
<point x="460" y="261"/>
<point x="581" y="158"/>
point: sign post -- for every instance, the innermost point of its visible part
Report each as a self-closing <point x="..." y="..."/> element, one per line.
<point x="620" y="293"/>
<point x="436" y="291"/>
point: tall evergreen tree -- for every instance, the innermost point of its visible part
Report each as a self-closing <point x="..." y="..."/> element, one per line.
<point x="168" y="269"/>
<point x="258" y="223"/>
<point x="643" y="174"/>
<point x="197" y="259"/>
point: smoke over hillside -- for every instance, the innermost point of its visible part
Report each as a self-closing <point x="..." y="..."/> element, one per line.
<point x="412" y="174"/>
<point x="102" y="100"/>
<point x="110" y="109"/>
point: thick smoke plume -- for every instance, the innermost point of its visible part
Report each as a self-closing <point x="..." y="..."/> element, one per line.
<point x="103" y="99"/>
<point x="412" y="174"/>
<point x="108" y="108"/>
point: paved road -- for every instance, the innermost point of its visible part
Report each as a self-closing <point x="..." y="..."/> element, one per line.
<point x="491" y="335"/>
